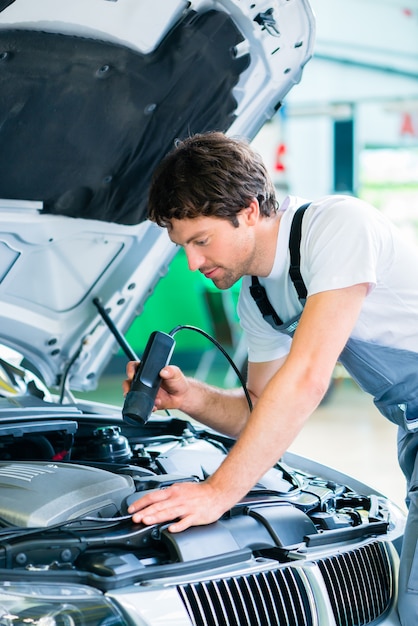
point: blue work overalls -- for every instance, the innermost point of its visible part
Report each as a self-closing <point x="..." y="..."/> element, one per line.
<point x="391" y="376"/>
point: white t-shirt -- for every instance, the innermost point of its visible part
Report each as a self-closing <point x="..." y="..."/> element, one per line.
<point x="345" y="241"/>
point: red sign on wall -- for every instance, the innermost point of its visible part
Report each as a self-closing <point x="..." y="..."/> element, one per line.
<point x="409" y="124"/>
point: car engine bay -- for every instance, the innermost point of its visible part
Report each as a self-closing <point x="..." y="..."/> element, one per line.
<point x="67" y="477"/>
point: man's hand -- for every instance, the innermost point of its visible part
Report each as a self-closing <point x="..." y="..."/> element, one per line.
<point x="173" y="390"/>
<point x="190" y="504"/>
<point x="224" y="410"/>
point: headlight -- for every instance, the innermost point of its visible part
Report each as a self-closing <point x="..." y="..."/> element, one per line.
<point x="55" y="605"/>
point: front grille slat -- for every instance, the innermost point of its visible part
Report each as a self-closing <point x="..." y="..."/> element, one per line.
<point x="239" y="600"/>
<point x="294" y="598"/>
<point x="254" y="600"/>
<point x="265" y="589"/>
<point x="262" y="591"/>
<point x="369" y="604"/>
<point x="223" y="606"/>
<point x="193" y="602"/>
<point x="359" y="583"/>
<point x="279" y="597"/>
<point x="210" y="603"/>
<point x="350" y="599"/>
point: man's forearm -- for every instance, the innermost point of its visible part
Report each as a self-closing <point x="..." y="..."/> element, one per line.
<point x="224" y="410"/>
<point x="278" y="417"/>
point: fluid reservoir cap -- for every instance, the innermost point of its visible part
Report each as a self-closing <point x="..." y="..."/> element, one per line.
<point x="109" y="445"/>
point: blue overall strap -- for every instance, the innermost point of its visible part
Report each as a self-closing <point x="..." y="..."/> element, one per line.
<point x="258" y="292"/>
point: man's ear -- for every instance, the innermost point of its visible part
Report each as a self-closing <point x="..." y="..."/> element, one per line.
<point x="251" y="213"/>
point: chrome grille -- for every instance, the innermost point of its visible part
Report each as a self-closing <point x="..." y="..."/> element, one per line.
<point x="275" y="598"/>
<point x="359" y="584"/>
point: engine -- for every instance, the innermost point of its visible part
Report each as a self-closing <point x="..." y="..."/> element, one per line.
<point x="67" y="479"/>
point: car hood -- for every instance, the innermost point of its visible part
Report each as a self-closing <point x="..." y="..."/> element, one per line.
<point x="93" y="94"/>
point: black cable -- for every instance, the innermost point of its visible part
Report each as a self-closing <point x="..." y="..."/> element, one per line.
<point x="132" y="356"/>
<point x="15" y="532"/>
<point x="176" y="329"/>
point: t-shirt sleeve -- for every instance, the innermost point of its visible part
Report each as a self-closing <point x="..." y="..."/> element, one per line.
<point x="342" y="247"/>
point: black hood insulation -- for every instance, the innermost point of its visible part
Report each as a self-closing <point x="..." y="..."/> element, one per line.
<point x="83" y="123"/>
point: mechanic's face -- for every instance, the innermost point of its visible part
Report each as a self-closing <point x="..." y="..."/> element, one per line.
<point x="215" y="247"/>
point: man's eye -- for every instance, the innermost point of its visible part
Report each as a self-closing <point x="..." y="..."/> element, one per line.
<point x="202" y="242"/>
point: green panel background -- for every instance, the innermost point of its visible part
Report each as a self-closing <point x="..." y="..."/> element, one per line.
<point x="177" y="299"/>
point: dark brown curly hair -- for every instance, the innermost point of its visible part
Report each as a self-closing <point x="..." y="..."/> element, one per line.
<point x="209" y="175"/>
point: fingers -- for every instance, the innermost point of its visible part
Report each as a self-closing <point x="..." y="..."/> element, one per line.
<point x="172" y="391"/>
<point x="156" y="508"/>
<point x="147" y="500"/>
<point x="181" y="525"/>
<point x="183" y="505"/>
<point x="131" y="368"/>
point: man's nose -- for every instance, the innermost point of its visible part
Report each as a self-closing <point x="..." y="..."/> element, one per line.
<point x="195" y="259"/>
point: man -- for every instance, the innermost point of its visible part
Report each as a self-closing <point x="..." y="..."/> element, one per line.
<point x="214" y="196"/>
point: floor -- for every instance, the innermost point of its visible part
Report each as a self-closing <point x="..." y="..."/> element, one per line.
<point x="346" y="432"/>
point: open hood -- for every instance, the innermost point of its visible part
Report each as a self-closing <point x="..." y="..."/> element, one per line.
<point x="93" y="93"/>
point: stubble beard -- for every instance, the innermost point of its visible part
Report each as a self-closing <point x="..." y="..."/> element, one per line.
<point x="227" y="280"/>
<point x="230" y="277"/>
<point x="242" y="268"/>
